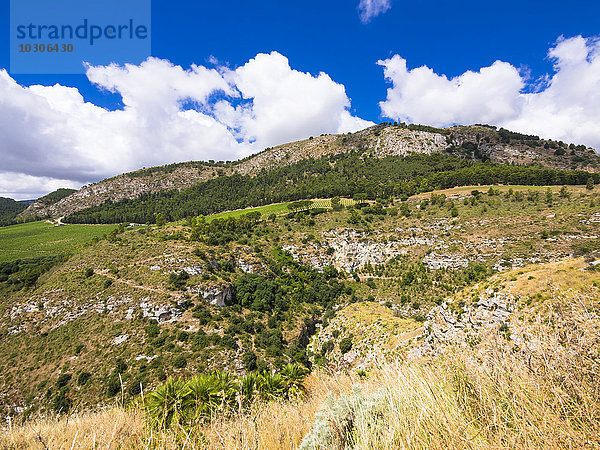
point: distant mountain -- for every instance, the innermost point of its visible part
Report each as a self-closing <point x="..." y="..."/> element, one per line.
<point x="39" y="207"/>
<point x="9" y="209"/>
<point x="475" y="143"/>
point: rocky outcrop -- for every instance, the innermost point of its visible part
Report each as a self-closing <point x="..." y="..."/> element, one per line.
<point x="217" y="295"/>
<point x="459" y="325"/>
<point x="129" y="185"/>
<point x="452" y="262"/>
<point x="160" y="313"/>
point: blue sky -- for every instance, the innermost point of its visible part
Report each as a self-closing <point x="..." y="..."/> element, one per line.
<point x="328" y="36"/>
<point x="450" y="38"/>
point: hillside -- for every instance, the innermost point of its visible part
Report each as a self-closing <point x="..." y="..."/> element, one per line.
<point x="476" y="143"/>
<point x="506" y="291"/>
<point x="9" y="209"/>
<point x="342" y="288"/>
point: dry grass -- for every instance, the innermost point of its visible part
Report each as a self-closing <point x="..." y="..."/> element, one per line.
<point x="109" y="429"/>
<point x="539" y="389"/>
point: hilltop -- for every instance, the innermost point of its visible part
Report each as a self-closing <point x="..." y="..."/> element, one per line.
<point x="475" y="143"/>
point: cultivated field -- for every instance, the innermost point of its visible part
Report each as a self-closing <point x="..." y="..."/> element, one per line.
<point x="43" y="239"/>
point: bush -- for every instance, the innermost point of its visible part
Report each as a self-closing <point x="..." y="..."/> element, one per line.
<point x="346" y="345"/>
<point x="249" y="360"/>
<point x="83" y="378"/>
<point x="180" y="362"/>
<point x="178" y="280"/>
<point x="61" y="403"/>
<point x="327" y="347"/>
<point x="63" y="380"/>
<point x="113" y="387"/>
<point x="120" y="366"/>
<point x="153" y="330"/>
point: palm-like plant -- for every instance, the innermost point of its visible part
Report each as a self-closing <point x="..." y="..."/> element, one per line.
<point x="207" y="393"/>
<point x="270" y="386"/>
<point x="202" y="396"/>
<point x="164" y="404"/>
<point x="292" y="375"/>
<point x="248" y="386"/>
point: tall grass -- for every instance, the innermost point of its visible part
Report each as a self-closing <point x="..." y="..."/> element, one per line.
<point x="537" y="389"/>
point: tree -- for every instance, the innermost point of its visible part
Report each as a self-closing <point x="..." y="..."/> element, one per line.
<point x="346" y="344"/>
<point x="160" y="219"/>
<point x="336" y="203"/>
<point x="590" y="184"/>
<point x="249" y="359"/>
<point x="360" y="198"/>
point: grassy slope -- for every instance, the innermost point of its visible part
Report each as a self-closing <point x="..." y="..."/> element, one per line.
<point x="276" y="208"/>
<point x="502" y="393"/>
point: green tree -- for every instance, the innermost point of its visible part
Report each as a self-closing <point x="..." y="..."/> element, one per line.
<point x="590" y="184"/>
<point x="160" y="219"/>
<point x="336" y="203"/>
<point x="346" y="344"/>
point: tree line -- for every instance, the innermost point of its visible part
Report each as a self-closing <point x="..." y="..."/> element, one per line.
<point x="333" y="175"/>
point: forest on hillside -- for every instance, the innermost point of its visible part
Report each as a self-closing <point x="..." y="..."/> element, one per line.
<point x="332" y="175"/>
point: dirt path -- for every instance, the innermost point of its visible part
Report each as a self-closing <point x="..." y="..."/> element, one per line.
<point x="130" y="283"/>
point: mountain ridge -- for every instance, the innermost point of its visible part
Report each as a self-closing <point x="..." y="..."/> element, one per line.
<point x="476" y="142"/>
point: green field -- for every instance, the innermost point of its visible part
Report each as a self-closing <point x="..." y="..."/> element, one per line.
<point x="41" y="238"/>
<point x="275" y="208"/>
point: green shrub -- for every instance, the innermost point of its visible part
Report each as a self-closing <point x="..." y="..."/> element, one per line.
<point x="83" y="378"/>
<point x="63" y="380"/>
<point x="113" y="386"/>
<point x="180" y="362"/>
<point x="249" y="359"/>
<point x="346" y="344"/>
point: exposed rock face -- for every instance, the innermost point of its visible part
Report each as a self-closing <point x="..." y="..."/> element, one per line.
<point x="217" y="295"/>
<point x="435" y="261"/>
<point x="161" y="313"/>
<point x="348" y="254"/>
<point x="399" y="141"/>
<point x="129" y="185"/>
<point x="445" y="326"/>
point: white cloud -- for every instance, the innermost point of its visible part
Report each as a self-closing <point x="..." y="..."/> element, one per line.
<point x="368" y="9"/>
<point x="565" y="105"/>
<point x="169" y="115"/>
<point x="285" y="105"/>
<point x="20" y="186"/>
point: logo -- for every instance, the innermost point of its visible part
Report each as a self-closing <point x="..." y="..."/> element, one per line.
<point x="64" y="36"/>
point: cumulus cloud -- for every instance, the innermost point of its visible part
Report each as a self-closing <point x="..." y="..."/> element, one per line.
<point x="21" y="186"/>
<point x="565" y="105"/>
<point x="368" y="9"/>
<point x="170" y="114"/>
